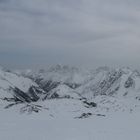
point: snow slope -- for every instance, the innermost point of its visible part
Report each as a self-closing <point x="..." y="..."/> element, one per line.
<point x="111" y="89"/>
<point x="13" y="86"/>
<point x="96" y="105"/>
<point x="59" y="124"/>
<point x="112" y="82"/>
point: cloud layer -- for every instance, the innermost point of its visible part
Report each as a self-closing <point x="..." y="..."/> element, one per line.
<point x="36" y="33"/>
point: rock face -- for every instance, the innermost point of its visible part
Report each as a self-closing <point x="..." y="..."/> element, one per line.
<point x="19" y="88"/>
<point x="112" y="82"/>
<point x="129" y="83"/>
<point x="33" y="94"/>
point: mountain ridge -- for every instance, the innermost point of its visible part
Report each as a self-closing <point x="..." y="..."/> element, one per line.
<point x="93" y="90"/>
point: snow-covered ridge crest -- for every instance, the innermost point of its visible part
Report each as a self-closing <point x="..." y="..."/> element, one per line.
<point x="121" y="82"/>
<point x="98" y="88"/>
<point x="102" y="81"/>
<point x="13" y="86"/>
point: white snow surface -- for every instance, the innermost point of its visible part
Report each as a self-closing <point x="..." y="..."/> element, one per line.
<point x="59" y="123"/>
<point x="116" y="117"/>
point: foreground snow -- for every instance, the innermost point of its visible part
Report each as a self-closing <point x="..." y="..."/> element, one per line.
<point x="67" y="104"/>
<point x="60" y="121"/>
<point x="14" y="126"/>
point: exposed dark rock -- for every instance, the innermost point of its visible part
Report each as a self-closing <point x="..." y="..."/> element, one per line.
<point x="35" y="93"/>
<point x="103" y="87"/>
<point x="84" y="115"/>
<point x="30" y="108"/>
<point x="125" y="93"/>
<point x="129" y="83"/>
<point x="90" y="104"/>
<point x="49" y="85"/>
<point x="12" y="104"/>
<point x="32" y="95"/>
<point x="21" y="96"/>
<point x="9" y="99"/>
<point x="100" y="115"/>
<point x="138" y="98"/>
<point x="54" y="95"/>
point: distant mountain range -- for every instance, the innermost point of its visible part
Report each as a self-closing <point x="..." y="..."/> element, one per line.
<point x="97" y="90"/>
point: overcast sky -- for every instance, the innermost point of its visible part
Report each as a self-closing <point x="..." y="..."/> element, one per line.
<point x="38" y="33"/>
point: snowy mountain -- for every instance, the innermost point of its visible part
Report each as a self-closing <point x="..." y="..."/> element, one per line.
<point x="102" y="81"/>
<point x="92" y="91"/>
<point x="112" y="82"/>
<point x="111" y="89"/>
<point x="17" y="88"/>
<point x="56" y="75"/>
<point x="101" y="104"/>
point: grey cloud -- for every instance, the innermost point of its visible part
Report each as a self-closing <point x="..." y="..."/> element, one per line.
<point x="83" y="32"/>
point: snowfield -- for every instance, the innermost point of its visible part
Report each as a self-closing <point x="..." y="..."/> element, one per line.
<point x="65" y="103"/>
<point x="117" y="126"/>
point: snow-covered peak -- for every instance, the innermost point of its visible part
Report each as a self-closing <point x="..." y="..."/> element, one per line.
<point x="63" y="91"/>
<point x="16" y="86"/>
<point x="100" y="86"/>
<point x="121" y="82"/>
<point x="102" y="81"/>
<point x="71" y="76"/>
